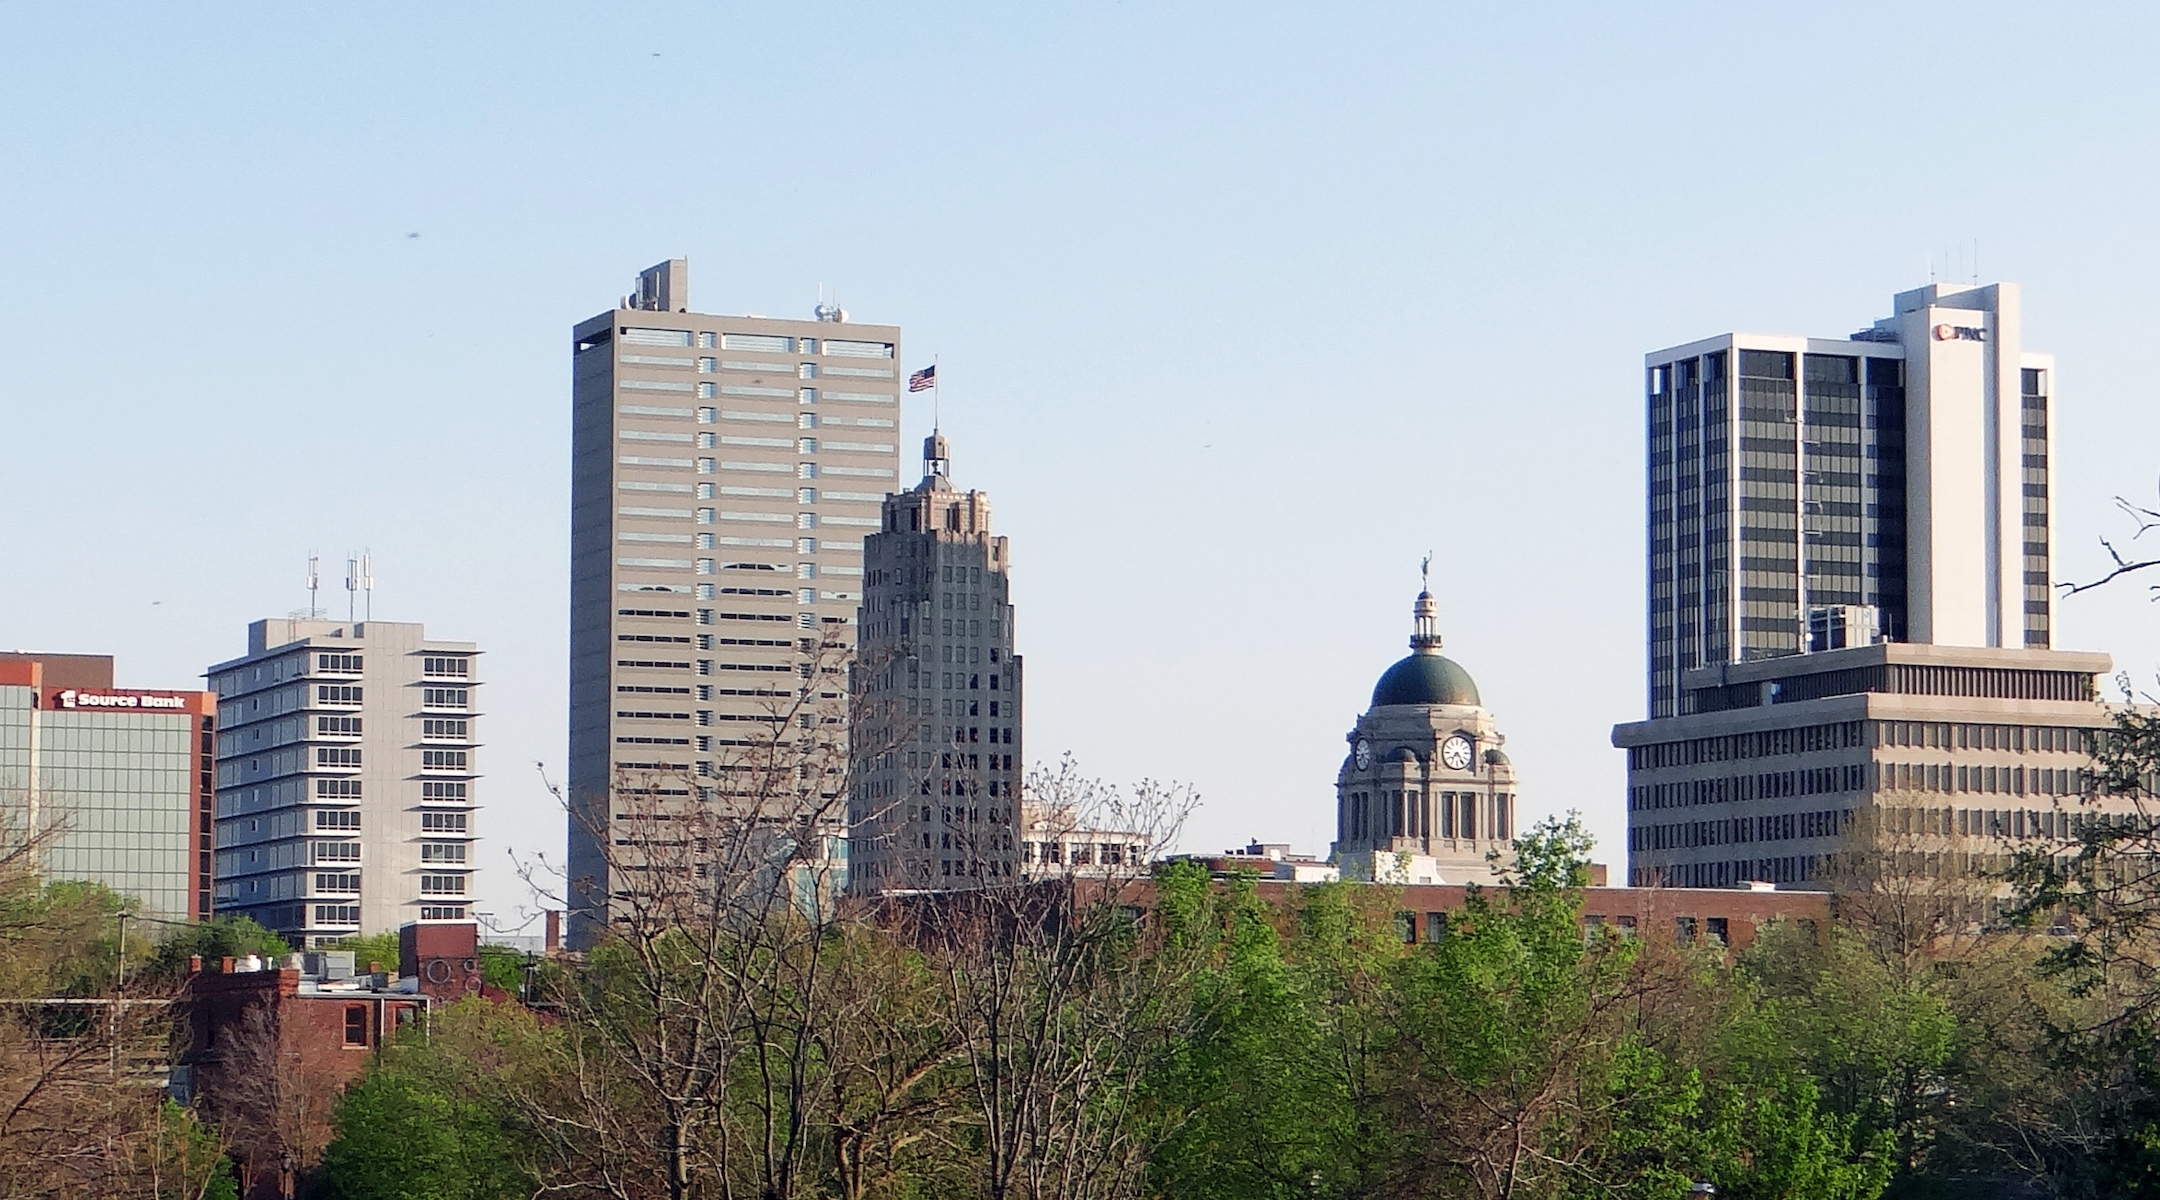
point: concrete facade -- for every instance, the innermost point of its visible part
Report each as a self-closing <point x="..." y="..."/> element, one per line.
<point x="936" y="715"/>
<point x="1425" y="793"/>
<point x="725" y="470"/>
<point x="1956" y="755"/>
<point x="348" y="770"/>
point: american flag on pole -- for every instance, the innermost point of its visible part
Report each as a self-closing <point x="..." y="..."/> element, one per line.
<point x="923" y="380"/>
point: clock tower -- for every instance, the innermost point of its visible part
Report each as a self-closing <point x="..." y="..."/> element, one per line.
<point x="1425" y="794"/>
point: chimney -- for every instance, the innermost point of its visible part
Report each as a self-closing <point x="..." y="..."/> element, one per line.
<point x="554" y="930"/>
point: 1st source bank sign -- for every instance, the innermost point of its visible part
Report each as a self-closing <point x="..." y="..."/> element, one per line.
<point x="70" y="698"/>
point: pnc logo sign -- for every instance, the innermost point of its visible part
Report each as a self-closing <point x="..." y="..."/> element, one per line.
<point x="71" y="699"/>
<point x="1960" y="333"/>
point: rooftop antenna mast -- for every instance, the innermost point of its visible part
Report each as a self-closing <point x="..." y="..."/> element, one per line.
<point x="352" y="585"/>
<point x="367" y="582"/>
<point x="314" y="581"/>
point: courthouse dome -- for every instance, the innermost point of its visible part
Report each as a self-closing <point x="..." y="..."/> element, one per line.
<point x="1425" y="677"/>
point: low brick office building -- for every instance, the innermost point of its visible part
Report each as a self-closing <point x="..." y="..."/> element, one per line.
<point x="267" y="1046"/>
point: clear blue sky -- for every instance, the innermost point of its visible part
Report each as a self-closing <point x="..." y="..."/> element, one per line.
<point x="1242" y="308"/>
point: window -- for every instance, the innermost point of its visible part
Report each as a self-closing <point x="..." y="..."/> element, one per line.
<point x="337" y="852"/>
<point x="806" y="520"/>
<point x="337" y="694"/>
<point x="337" y="756"/>
<point x="706" y="391"/>
<point x="341" y="819"/>
<point x="806" y="495"/>
<point x="852" y="349"/>
<point x="342" y="664"/>
<point x="655" y="337"/>
<point x="705" y="340"/>
<point x="325" y="882"/>
<point x="760" y="343"/>
<point x="806" y="420"/>
<point x="707" y="366"/>
<point x="337" y="789"/>
<point x="442" y="912"/>
<point x="356" y="1024"/>
<point x="443" y="697"/>
<point x="706" y="416"/>
<point x="441" y="822"/>
<point x="337" y="914"/>
<point x="442" y="760"/>
<point x="441" y="790"/>
<point x="338" y="726"/>
<point x="806" y="445"/>
<point x="443" y="852"/>
<point x="806" y="470"/>
<point x="442" y="885"/>
<point x="442" y="729"/>
<point x="453" y="667"/>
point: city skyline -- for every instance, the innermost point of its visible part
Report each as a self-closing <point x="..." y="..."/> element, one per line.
<point x="1146" y="289"/>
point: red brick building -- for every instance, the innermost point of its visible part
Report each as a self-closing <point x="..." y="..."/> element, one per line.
<point x="267" y="1047"/>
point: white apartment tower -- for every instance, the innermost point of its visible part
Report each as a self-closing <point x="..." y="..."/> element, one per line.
<point x="724" y="472"/>
<point x="936" y="713"/>
<point x="347" y="758"/>
<point x="1810" y="492"/>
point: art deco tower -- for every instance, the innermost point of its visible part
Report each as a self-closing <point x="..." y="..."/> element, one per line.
<point x="936" y="707"/>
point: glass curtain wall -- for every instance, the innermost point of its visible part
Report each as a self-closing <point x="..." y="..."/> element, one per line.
<point x="1884" y="521"/>
<point x="2033" y="403"/>
<point x="1830" y="499"/>
<point x="1770" y="616"/>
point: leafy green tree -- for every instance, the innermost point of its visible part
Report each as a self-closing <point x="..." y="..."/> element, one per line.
<point x="213" y="940"/>
<point x="441" y="1115"/>
<point x="1262" y="1107"/>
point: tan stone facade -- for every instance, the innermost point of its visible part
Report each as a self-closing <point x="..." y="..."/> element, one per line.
<point x="1425" y="794"/>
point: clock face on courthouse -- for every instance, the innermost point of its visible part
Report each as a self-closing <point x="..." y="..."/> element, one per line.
<point x="1364" y="754"/>
<point x="1455" y="752"/>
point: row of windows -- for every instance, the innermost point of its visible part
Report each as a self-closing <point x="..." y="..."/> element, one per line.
<point x="755" y="343"/>
<point x="1798" y="868"/>
<point x="1400" y="813"/>
<point x="1765" y="744"/>
<point x="1942" y="735"/>
<point x="1769" y="785"/>
<point x="1772" y="827"/>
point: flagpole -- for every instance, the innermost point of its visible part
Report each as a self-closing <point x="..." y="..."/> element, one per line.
<point x="936" y="410"/>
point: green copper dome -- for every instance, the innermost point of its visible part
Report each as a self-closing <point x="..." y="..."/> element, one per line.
<point x="1425" y="679"/>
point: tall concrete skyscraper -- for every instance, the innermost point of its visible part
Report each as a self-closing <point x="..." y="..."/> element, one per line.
<point x="724" y="472"/>
<point x="1895" y="480"/>
<point x="1851" y="630"/>
<point x="936" y="715"/>
<point x="348" y="763"/>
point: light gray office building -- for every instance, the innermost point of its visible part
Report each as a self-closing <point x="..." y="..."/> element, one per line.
<point x="935" y="800"/>
<point x="725" y="470"/>
<point x="347" y="769"/>
<point x="1850" y="542"/>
